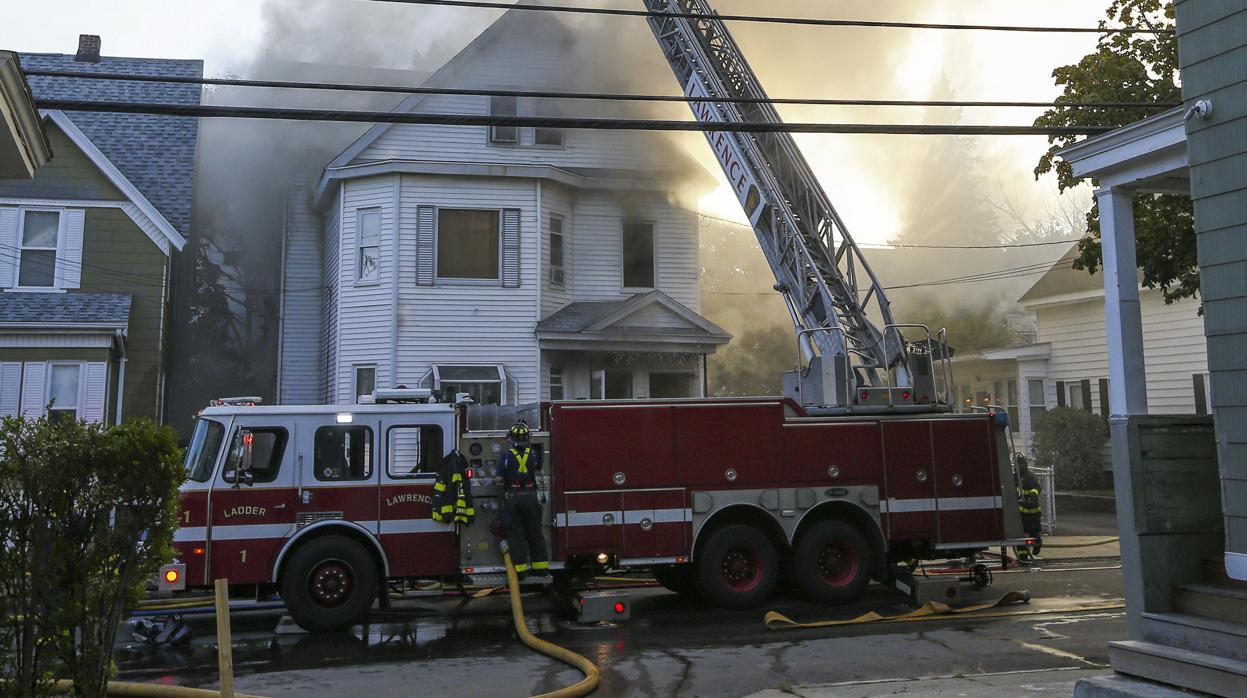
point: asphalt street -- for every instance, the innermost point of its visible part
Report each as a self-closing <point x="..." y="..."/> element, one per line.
<point x="674" y="645"/>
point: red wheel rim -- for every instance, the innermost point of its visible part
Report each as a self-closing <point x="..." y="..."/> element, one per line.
<point x="331" y="583"/>
<point x="837" y="563"/>
<point x="741" y="568"/>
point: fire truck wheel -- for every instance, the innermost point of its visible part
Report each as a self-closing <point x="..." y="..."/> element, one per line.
<point x="677" y="578"/>
<point x="831" y="562"/>
<point x="737" y="568"/>
<point x="329" y="583"/>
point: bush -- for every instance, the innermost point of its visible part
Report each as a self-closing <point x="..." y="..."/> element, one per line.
<point x="1071" y="442"/>
<point x="89" y="513"/>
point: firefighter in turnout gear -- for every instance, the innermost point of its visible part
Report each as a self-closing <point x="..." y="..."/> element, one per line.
<point x="1031" y="510"/>
<point x="521" y="514"/>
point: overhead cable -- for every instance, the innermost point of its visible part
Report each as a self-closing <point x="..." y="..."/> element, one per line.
<point x="763" y="19"/>
<point x="385" y="117"/>
<point x="596" y="96"/>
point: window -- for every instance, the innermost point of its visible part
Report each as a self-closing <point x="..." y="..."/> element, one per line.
<point x="63" y="383"/>
<point x="618" y="385"/>
<point x="503" y="106"/>
<point x="41" y="234"/>
<point x="556" y="383"/>
<point x="638" y="255"/>
<point x="967" y="398"/>
<point x="1038" y="400"/>
<point x="1007" y="397"/>
<point x="343" y="453"/>
<point x="205" y="444"/>
<point x="467" y="244"/>
<point x="557" y="276"/>
<point x="548" y="136"/>
<point x="257" y="450"/>
<point x="365" y="381"/>
<point x="369" y="264"/>
<point x="668" y="384"/>
<point x="1079" y="396"/>
<point x="484" y="384"/>
<point x="412" y="451"/>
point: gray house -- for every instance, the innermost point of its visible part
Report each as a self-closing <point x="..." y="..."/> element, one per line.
<point x="88" y="244"/>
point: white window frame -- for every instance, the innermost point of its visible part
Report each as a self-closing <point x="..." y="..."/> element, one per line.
<point x="55" y="287"/>
<point x="355" y="369"/>
<point x="558" y="377"/>
<point x="47" y="387"/>
<point x="493" y="130"/>
<point x="359" y="246"/>
<point x="440" y="280"/>
<point x="502" y="383"/>
<point x="623" y="228"/>
<point x="561" y="269"/>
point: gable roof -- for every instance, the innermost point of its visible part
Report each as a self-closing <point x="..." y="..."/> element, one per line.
<point x="69" y="310"/>
<point x="1063" y="279"/>
<point x="597" y="317"/>
<point x="141" y="211"/>
<point x="156" y="154"/>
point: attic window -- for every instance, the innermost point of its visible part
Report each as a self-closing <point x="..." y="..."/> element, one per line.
<point x="548" y="136"/>
<point x="503" y="106"/>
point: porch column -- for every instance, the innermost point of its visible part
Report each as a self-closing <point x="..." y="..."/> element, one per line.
<point x="1127" y="386"/>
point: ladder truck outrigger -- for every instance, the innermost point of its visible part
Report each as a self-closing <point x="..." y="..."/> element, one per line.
<point x="859" y="471"/>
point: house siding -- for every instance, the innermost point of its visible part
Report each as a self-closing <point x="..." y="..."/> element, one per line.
<point x="330" y="275"/>
<point x="299" y="362"/>
<point x="557" y="200"/>
<point x="68" y="175"/>
<point x="1077" y="335"/>
<point x="456" y="323"/>
<point x="1213" y="60"/>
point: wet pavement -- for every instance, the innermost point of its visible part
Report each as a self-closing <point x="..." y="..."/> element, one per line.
<point x="672" y="646"/>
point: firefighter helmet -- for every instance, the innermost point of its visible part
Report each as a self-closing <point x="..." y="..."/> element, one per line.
<point x="518" y="435"/>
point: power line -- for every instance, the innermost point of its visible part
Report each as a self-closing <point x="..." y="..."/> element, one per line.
<point x="805" y="21"/>
<point x="596" y="96"/>
<point x="384" y="117"/>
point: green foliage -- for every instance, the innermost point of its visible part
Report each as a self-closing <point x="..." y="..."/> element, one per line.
<point x="753" y="362"/>
<point x="1071" y="441"/>
<point x="972" y="327"/>
<point x="89" y="513"/>
<point x="1129" y="68"/>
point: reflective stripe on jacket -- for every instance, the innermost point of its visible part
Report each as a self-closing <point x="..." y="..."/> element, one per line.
<point x="452" y="492"/>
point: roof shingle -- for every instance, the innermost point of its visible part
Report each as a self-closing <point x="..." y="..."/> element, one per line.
<point x="65" y="308"/>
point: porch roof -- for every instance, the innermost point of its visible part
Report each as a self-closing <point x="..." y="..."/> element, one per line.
<point x="651" y="321"/>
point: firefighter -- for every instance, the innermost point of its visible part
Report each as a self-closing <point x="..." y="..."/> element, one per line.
<point x="521" y="513"/>
<point x="1032" y="512"/>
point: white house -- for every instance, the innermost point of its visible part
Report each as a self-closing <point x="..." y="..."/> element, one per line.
<point x="1067" y="365"/>
<point x="515" y="264"/>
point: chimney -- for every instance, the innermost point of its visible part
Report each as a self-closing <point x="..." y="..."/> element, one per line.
<point x="88" y="48"/>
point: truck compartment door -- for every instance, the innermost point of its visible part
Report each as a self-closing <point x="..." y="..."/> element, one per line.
<point x="656" y="524"/>
<point x="908" y="502"/>
<point x="967" y="489"/>
<point x="591" y="523"/>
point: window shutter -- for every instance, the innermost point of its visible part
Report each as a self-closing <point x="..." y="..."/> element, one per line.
<point x="1201" y="396"/>
<point x="8" y="245"/>
<point x="69" y="261"/>
<point x="34" y="390"/>
<point x="1085" y="384"/>
<point x="95" y="393"/>
<point x="426" y="244"/>
<point x="1060" y="393"/>
<point x="10" y="388"/>
<point x="1104" y="406"/>
<point x="511" y="247"/>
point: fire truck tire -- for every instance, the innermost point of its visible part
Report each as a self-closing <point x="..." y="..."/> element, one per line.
<point x="329" y="583"/>
<point x="831" y="562"/>
<point x="737" y="568"/>
<point x="677" y="578"/>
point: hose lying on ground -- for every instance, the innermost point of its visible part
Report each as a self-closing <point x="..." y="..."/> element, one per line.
<point x="1088" y="544"/>
<point x="148" y="690"/>
<point x="582" y="688"/>
<point x="778" y="621"/>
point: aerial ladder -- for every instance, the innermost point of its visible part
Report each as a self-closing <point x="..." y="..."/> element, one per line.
<point x="835" y="301"/>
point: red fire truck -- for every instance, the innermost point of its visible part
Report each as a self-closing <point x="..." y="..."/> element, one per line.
<point x="721" y="497"/>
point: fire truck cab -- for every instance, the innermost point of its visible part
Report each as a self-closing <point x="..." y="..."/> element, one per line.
<point x="719" y="497"/>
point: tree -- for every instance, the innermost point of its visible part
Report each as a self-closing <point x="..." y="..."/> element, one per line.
<point x="972" y="327"/>
<point x="1129" y="68"/>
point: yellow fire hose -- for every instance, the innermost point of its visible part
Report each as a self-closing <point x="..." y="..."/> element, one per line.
<point x="1088" y="544"/>
<point x="148" y="690"/>
<point x="582" y="688"/>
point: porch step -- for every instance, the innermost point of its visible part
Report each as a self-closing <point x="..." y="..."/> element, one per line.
<point x="1197" y="633"/>
<point x="1214" y="573"/>
<point x="1178" y="667"/>
<point x="1218" y="601"/>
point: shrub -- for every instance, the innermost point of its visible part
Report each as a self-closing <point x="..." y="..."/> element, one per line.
<point x="1071" y="442"/>
<point x="89" y="513"/>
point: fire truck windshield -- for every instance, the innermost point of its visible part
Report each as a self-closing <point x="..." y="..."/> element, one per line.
<point x="205" y="444"/>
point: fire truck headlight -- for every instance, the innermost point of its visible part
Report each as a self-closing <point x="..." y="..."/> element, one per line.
<point x="603" y="558"/>
<point x="345" y="418"/>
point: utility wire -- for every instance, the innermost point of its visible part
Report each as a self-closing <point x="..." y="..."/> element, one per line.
<point x="598" y="96"/>
<point x="385" y="117"/>
<point x="805" y="21"/>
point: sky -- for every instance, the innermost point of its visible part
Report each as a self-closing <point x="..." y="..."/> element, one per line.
<point x="866" y="176"/>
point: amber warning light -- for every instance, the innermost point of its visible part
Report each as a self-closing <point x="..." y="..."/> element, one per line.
<point x="172" y="577"/>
